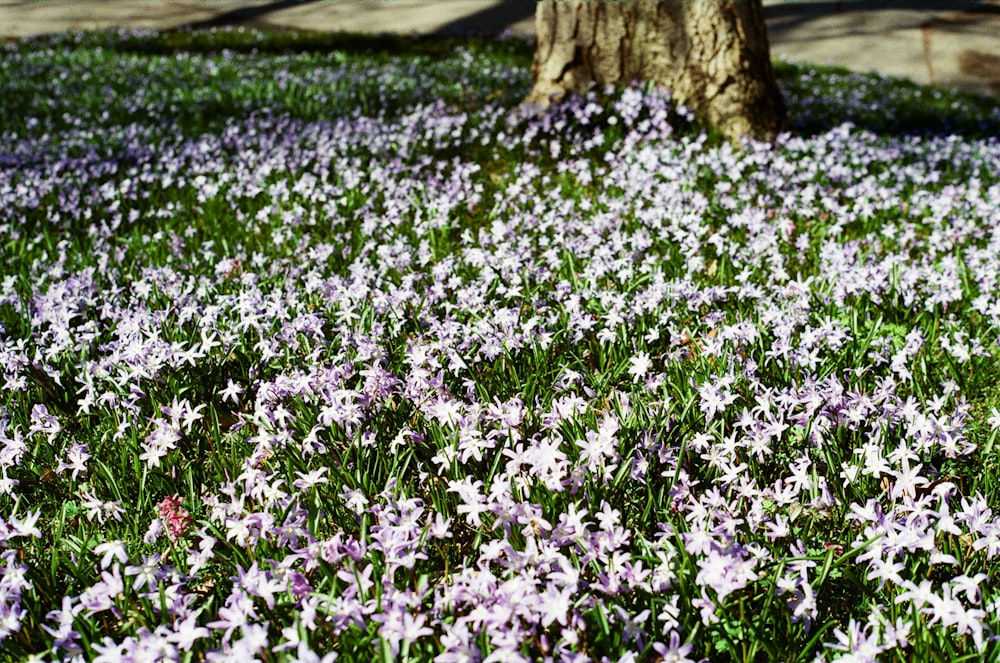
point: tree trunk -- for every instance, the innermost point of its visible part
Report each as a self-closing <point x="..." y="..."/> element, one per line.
<point x="712" y="55"/>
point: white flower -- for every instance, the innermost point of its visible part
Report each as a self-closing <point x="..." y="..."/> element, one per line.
<point x="639" y="365"/>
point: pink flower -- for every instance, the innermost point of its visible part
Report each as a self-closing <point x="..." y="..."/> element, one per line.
<point x="175" y="518"/>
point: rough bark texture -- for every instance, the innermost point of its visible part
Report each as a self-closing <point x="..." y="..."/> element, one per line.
<point x="712" y="55"/>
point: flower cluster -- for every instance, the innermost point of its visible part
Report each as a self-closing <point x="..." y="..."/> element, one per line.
<point x="174" y="517"/>
<point x="448" y="384"/>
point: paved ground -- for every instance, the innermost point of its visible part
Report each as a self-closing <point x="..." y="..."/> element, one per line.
<point x="949" y="42"/>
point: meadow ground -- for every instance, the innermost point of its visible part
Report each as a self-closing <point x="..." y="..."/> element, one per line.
<point x="313" y="348"/>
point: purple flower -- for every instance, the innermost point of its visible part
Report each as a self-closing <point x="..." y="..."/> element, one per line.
<point x="674" y="652"/>
<point x="235" y="614"/>
<point x="148" y="574"/>
<point x="401" y="628"/>
<point x="43" y="423"/>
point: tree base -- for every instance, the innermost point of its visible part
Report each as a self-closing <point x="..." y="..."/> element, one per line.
<point x="712" y="55"/>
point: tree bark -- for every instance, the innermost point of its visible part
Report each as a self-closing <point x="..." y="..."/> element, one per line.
<point x="712" y="55"/>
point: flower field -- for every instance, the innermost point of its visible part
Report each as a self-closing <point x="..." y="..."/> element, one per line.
<point x="316" y="349"/>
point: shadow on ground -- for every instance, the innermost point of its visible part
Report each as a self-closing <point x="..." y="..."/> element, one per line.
<point x="819" y="97"/>
<point x="245" y="16"/>
<point x="492" y="20"/>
